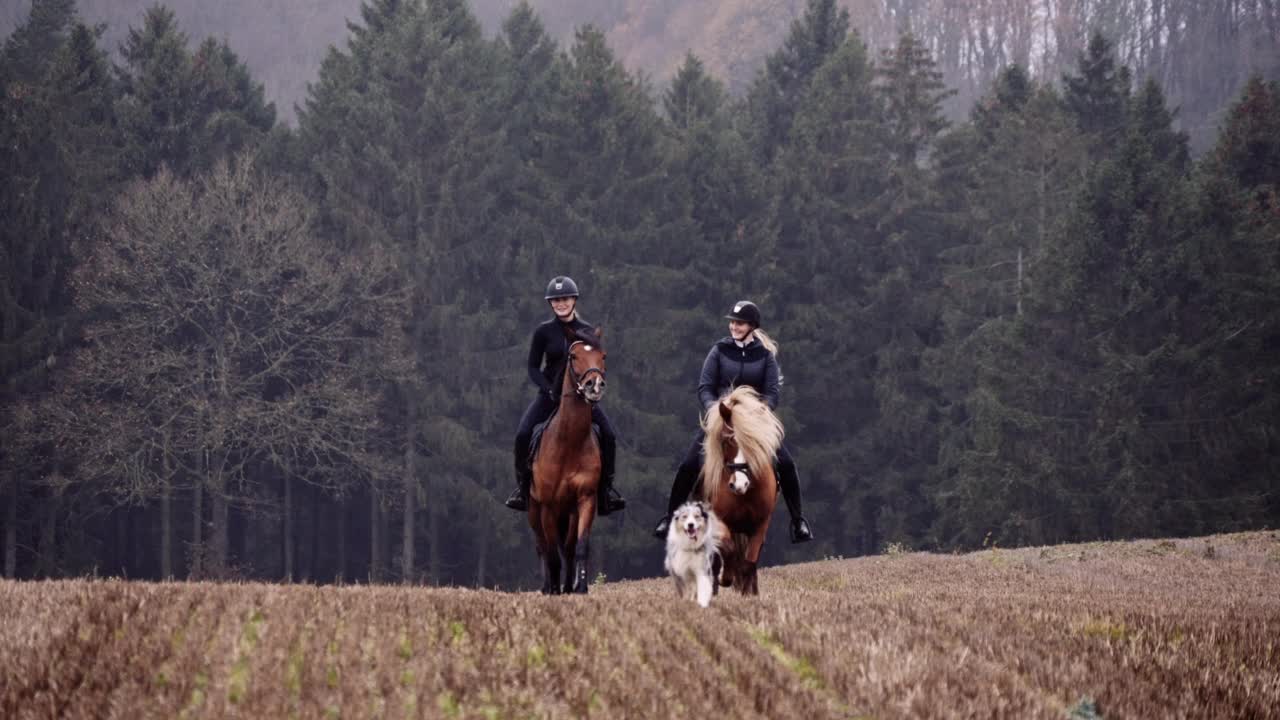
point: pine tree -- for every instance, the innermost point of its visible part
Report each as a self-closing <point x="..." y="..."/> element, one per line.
<point x="1076" y="397"/>
<point x="1008" y="182"/>
<point x="720" y="187"/>
<point x="56" y="168"/>
<point x="30" y="50"/>
<point x="405" y="128"/>
<point x="694" y="96"/>
<point x="185" y="110"/>
<point x="776" y="92"/>
<point x="234" y="106"/>
<point x="828" y="182"/>
<point x="1238" y="193"/>
<point x="1097" y="96"/>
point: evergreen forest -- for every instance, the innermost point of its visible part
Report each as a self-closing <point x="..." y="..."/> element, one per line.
<point x="233" y="347"/>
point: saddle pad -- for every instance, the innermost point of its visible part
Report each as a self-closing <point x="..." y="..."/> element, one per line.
<point x="536" y="438"/>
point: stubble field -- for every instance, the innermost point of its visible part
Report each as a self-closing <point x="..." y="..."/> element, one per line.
<point x="1142" y="629"/>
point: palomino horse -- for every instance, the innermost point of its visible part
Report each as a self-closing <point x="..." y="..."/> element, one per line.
<point x="566" y="472"/>
<point x="742" y="440"/>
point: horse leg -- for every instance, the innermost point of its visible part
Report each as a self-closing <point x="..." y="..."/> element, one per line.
<point x="582" y="553"/>
<point x="751" y="586"/>
<point x="540" y="543"/>
<point x="717" y="564"/>
<point x="551" y="552"/>
<point x="728" y="562"/>
<point x="569" y="553"/>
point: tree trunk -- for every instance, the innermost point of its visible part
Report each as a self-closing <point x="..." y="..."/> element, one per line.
<point x="11" y="532"/>
<point x="410" y="493"/>
<point x="433" y="537"/>
<point x="219" y="517"/>
<point x="340" y="575"/>
<point x="317" y="516"/>
<point x="166" y="515"/>
<point x="375" y="537"/>
<point x="48" y="537"/>
<point x="196" y="571"/>
<point x="482" y="556"/>
<point x="288" y="527"/>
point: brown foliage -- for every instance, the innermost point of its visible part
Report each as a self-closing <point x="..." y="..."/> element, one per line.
<point x="1144" y="629"/>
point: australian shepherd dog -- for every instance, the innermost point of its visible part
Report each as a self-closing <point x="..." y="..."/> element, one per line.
<point x="693" y="551"/>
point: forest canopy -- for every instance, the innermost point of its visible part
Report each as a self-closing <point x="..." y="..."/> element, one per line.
<point x="1013" y="305"/>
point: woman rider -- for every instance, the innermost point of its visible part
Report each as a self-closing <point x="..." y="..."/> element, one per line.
<point x="746" y="357"/>
<point x="547" y="355"/>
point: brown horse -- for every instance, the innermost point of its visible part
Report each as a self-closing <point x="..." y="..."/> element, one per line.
<point x="566" y="472"/>
<point x="742" y="440"/>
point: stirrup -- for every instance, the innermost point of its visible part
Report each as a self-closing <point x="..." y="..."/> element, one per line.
<point x="800" y="532"/>
<point x="610" y="502"/>
<point x="518" y="500"/>
<point x="660" y="531"/>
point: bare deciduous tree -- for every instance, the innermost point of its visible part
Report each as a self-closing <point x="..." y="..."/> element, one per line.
<point x="225" y="338"/>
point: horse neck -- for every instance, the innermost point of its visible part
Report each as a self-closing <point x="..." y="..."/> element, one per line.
<point x="574" y="416"/>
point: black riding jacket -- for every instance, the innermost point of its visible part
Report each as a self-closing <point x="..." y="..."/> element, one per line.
<point x="727" y="366"/>
<point x="550" y="345"/>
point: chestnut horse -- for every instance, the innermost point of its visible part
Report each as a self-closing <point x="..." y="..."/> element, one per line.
<point x="742" y="440"/>
<point x="566" y="472"/>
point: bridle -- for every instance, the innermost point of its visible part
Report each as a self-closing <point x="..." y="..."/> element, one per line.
<point x="580" y="381"/>
<point x="735" y="467"/>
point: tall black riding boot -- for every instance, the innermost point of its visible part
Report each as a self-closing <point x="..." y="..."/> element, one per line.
<point x="609" y="500"/>
<point x="789" y="479"/>
<point x="686" y="479"/>
<point x="519" y="499"/>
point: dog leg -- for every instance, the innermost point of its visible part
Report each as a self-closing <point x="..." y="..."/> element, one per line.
<point x="704" y="590"/>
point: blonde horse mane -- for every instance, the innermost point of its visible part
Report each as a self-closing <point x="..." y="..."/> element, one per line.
<point x="756" y="429"/>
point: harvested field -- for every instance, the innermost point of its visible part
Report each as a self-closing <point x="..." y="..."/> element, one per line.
<point x="1142" y="629"/>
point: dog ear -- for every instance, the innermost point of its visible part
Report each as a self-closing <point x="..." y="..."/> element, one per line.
<point x="726" y="413"/>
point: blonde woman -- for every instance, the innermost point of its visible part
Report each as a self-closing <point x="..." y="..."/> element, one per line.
<point x="747" y="357"/>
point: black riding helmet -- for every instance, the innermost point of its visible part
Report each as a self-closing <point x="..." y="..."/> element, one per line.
<point x="561" y="286"/>
<point x="747" y="312"/>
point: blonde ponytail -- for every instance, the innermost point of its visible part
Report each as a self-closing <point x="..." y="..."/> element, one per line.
<point x="769" y="343"/>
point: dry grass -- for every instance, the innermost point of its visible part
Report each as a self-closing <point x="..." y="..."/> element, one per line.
<point x="1183" y="628"/>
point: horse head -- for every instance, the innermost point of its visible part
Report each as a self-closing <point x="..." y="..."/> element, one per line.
<point x="742" y="436"/>
<point x="586" y="365"/>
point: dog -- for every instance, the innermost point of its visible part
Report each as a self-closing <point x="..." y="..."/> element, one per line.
<point x="693" y="551"/>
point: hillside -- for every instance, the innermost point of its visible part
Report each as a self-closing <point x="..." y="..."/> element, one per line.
<point x="1170" y="628"/>
<point x="1200" y="53"/>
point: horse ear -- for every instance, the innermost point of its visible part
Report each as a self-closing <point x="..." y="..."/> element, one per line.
<point x="726" y="413"/>
<point x="599" y="336"/>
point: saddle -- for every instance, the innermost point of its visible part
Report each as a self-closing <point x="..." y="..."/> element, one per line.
<point x="536" y="438"/>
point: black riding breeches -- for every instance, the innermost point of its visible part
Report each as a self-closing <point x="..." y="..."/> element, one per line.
<point x="539" y="410"/>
